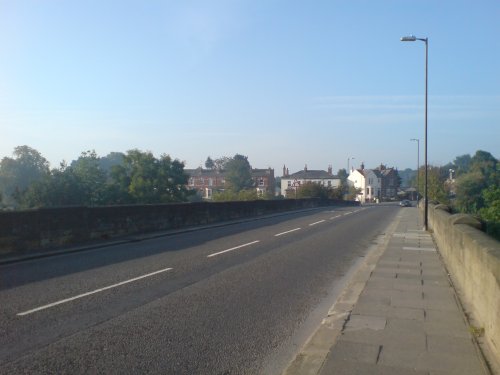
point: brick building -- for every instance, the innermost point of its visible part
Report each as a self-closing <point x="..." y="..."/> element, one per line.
<point x="209" y="181"/>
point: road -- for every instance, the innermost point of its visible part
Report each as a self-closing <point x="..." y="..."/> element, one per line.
<point x="237" y="299"/>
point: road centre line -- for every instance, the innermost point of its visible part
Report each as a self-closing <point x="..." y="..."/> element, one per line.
<point x="347" y="213"/>
<point x="288" y="231"/>
<point x="334" y="217"/>
<point x="317" y="222"/>
<point x="231" y="249"/>
<point x="92" y="292"/>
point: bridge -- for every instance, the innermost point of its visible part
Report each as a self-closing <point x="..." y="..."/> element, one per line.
<point x="315" y="289"/>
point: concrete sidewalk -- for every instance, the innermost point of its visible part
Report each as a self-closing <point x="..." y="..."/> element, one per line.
<point x="400" y="315"/>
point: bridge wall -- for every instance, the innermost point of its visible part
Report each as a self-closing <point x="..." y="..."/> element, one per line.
<point x="33" y="230"/>
<point x="473" y="259"/>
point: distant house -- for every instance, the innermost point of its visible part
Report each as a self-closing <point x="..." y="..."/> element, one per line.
<point x="377" y="184"/>
<point x="291" y="182"/>
<point x="206" y="182"/>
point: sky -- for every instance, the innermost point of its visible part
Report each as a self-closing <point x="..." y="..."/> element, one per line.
<point x="283" y="82"/>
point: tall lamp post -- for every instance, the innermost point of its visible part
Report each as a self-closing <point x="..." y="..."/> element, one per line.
<point x="413" y="38"/>
<point x="349" y="158"/>
<point x="418" y="164"/>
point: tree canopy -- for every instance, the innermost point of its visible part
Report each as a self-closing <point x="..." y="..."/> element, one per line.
<point x="136" y="177"/>
<point x="239" y="173"/>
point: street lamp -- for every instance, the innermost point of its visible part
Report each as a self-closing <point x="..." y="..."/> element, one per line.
<point x="413" y="38"/>
<point x="349" y="158"/>
<point x="418" y="164"/>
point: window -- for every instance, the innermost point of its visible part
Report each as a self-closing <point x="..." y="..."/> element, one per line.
<point x="261" y="181"/>
<point x="329" y="183"/>
<point x="191" y="181"/>
<point x="289" y="183"/>
<point x="210" y="182"/>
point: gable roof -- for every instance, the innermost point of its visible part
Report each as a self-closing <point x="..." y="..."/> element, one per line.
<point x="310" y="175"/>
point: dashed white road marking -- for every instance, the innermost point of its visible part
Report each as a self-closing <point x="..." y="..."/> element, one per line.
<point x="288" y="231"/>
<point x="92" y="292"/>
<point x="419" y="248"/>
<point x="334" y="217"/>
<point x="232" y="249"/>
<point x="317" y="222"/>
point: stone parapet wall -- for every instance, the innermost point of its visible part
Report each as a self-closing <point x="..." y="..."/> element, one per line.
<point x="473" y="259"/>
<point x="33" y="230"/>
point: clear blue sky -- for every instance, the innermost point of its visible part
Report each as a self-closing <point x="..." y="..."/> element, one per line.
<point x="280" y="81"/>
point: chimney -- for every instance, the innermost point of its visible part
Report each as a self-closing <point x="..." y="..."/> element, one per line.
<point x="330" y="171"/>
<point x="287" y="173"/>
<point x="362" y="165"/>
<point x="305" y="168"/>
<point x="284" y="170"/>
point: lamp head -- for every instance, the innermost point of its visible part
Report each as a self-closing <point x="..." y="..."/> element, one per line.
<point x="410" y="38"/>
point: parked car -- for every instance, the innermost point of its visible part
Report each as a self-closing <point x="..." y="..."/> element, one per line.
<point x="405" y="203"/>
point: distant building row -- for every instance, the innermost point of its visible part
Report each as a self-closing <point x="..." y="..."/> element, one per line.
<point x="206" y="182"/>
<point x="377" y="184"/>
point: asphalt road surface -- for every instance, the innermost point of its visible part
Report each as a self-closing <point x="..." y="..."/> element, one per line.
<point x="237" y="299"/>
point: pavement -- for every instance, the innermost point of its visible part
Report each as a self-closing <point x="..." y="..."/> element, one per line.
<point x="399" y="315"/>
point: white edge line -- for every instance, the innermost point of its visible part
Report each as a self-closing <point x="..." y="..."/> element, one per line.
<point x="288" y="231"/>
<point x="231" y="249"/>
<point x="92" y="292"/>
<point x="317" y="222"/>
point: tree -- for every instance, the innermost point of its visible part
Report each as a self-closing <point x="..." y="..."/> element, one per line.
<point x="462" y="164"/>
<point x="62" y="187"/>
<point x="435" y="183"/>
<point x="312" y="190"/>
<point x="221" y="163"/>
<point x="482" y="173"/>
<point x="342" y="174"/>
<point x="19" y="172"/>
<point x="209" y="163"/>
<point x="144" y="179"/>
<point x="92" y="178"/>
<point x="238" y="173"/>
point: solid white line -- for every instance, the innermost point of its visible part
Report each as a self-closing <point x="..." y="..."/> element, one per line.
<point x="231" y="249"/>
<point x="92" y="292"/>
<point x="316" y="223"/>
<point x="288" y="231"/>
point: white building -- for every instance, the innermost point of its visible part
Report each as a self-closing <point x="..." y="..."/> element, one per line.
<point x="291" y="182"/>
<point x="368" y="181"/>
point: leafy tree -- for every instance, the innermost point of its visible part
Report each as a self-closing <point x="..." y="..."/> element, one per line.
<point x="491" y="210"/>
<point x="435" y="184"/>
<point x="113" y="158"/>
<point x="209" y="163"/>
<point x="238" y="173"/>
<point x="92" y="178"/>
<point x="312" y="190"/>
<point x="342" y="174"/>
<point x="469" y="187"/>
<point x="144" y="179"/>
<point x="232" y="196"/>
<point x="17" y="173"/>
<point x="462" y="164"/>
<point x="352" y="192"/>
<point x="482" y="173"/>
<point x="62" y="187"/>
<point x="221" y="163"/>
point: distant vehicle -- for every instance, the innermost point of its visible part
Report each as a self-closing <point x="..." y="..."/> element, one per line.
<point x="405" y="203"/>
